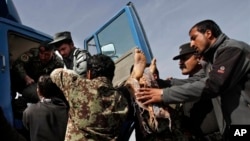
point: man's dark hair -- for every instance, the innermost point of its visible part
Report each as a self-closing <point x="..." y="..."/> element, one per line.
<point x="101" y="65"/>
<point x="47" y="88"/>
<point x="46" y="46"/>
<point x="205" y="25"/>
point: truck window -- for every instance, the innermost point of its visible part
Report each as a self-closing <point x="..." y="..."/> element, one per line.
<point x="120" y="38"/>
<point x="117" y="34"/>
<point x="19" y="44"/>
<point x="92" y="46"/>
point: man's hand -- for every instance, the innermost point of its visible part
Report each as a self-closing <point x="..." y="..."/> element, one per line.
<point x="149" y="95"/>
<point x="28" y="80"/>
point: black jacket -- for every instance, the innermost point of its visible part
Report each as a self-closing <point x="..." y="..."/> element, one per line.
<point x="46" y="120"/>
<point x="199" y="117"/>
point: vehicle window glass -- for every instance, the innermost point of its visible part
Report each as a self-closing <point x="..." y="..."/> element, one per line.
<point x="19" y="44"/>
<point x="117" y="33"/>
<point x="92" y="46"/>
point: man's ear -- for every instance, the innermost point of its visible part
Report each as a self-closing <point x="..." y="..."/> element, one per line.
<point x="209" y="34"/>
<point x="71" y="45"/>
<point x="38" y="93"/>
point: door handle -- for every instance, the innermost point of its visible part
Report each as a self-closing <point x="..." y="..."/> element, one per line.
<point x="3" y="63"/>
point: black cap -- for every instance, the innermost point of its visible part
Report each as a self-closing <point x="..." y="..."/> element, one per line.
<point x="46" y="46"/>
<point x="184" y="50"/>
<point x="60" y="36"/>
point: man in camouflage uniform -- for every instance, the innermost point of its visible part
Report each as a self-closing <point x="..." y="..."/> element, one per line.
<point x="30" y="66"/>
<point x="97" y="109"/>
<point x="73" y="58"/>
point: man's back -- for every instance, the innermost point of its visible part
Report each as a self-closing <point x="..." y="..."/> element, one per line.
<point x="46" y="120"/>
<point x="96" y="108"/>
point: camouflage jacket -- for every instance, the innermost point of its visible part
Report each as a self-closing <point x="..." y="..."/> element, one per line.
<point x="29" y="64"/>
<point x="97" y="109"/>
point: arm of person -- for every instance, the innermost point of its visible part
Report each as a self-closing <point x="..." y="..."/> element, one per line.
<point x="56" y="62"/>
<point x="26" y="118"/>
<point x="226" y="62"/>
<point x="18" y="65"/>
<point x="28" y="80"/>
<point x="19" y="68"/>
<point x="185" y="92"/>
<point x="195" y="77"/>
<point x="226" y="71"/>
<point x="174" y="94"/>
<point x="80" y="61"/>
<point x="67" y="80"/>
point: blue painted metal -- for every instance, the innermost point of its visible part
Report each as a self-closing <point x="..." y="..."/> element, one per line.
<point x="136" y="27"/>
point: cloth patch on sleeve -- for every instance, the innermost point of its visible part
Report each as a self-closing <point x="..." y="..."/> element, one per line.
<point x="25" y="57"/>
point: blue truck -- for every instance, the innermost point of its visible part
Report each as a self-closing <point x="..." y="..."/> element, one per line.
<point x="117" y="38"/>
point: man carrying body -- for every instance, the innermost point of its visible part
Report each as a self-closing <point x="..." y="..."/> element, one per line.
<point x="199" y="118"/>
<point x="228" y="80"/>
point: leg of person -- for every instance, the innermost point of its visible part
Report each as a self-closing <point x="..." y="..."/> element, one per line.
<point x="136" y="74"/>
<point x="139" y="64"/>
<point x="138" y="78"/>
<point x="133" y="84"/>
<point x="152" y="66"/>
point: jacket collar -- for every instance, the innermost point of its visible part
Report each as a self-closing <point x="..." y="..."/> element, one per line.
<point x="209" y="53"/>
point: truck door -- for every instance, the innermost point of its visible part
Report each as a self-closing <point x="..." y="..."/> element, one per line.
<point x="5" y="98"/>
<point x="15" y="39"/>
<point x="117" y="38"/>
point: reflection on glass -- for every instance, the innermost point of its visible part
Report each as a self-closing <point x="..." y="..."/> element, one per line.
<point x="92" y="47"/>
<point x="119" y="34"/>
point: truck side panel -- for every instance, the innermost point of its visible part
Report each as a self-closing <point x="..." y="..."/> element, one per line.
<point x="5" y="96"/>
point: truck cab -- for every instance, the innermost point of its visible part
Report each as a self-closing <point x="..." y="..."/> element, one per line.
<point x="117" y="38"/>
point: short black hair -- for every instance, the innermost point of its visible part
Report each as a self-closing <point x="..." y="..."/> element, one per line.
<point x="47" y="88"/>
<point x="46" y="46"/>
<point x="101" y="65"/>
<point x="205" y="25"/>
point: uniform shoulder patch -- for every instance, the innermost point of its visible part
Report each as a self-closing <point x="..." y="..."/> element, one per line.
<point x="25" y="57"/>
<point x="221" y="69"/>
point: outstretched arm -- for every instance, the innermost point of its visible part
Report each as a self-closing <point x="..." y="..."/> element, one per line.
<point x="149" y="95"/>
